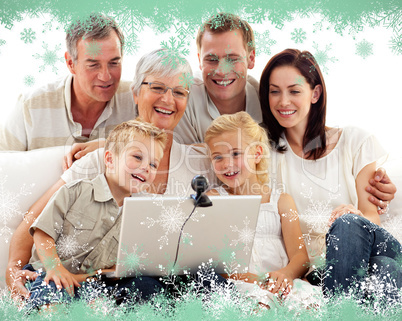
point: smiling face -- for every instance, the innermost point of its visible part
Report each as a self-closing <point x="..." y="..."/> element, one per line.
<point x="290" y="97"/>
<point x="234" y="161"/>
<point x="135" y="167"/>
<point x="162" y="110"/>
<point x="97" y="70"/>
<point x="224" y="61"/>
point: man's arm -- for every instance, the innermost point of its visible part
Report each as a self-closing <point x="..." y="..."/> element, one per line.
<point x="22" y="242"/>
<point x="382" y="190"/>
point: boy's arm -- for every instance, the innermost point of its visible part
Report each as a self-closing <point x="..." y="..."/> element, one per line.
<point x="21" y="245"/>
<point x="55" y="271"/>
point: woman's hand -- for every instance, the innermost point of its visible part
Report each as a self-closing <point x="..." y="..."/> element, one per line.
<point x="79" y="150"/>
<point x="342" y="210"/>
<point x="382" y="190"/>
<point x="278" y="282"/>
<point x="62" y="278"/>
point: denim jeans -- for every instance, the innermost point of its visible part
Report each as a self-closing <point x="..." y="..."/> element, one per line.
<point x="135" y="288"/>
<point x="357" y="248"/>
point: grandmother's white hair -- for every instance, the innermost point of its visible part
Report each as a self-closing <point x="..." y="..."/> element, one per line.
<point x="160" y="63"/>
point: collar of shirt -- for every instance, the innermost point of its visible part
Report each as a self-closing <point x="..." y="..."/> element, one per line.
<point x="102" y="191"/>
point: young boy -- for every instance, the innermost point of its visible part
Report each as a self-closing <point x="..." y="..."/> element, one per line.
<point x="77" y="232"/>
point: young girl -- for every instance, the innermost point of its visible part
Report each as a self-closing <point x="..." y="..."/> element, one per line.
<point x="323" y="169"/>
<point x="240" y="157"/>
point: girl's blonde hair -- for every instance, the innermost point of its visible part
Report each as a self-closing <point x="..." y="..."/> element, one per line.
<point x="252" y="132"/>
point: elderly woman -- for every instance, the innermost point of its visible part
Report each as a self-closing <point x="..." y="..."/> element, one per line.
<point x="160" y="97"/>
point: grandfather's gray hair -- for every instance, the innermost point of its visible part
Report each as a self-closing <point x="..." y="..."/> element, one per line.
<point x="97" y="26"/>
<point x="160" y="63"/>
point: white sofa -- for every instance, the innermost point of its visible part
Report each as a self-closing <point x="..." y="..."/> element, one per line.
<point x="25" y="176"/>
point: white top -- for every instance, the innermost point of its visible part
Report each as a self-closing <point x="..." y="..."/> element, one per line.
<point x="269" y="254"/>
<point x="318" y="186"/>
<point x="185" y="162"/>
<point x="201" y="111"/>
<point x="43" y="118"/>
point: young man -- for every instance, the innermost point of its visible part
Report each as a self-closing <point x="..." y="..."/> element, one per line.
<point x="87" y="214"/>
<point x="83" y="106"/>
<point x="226" y="50"/>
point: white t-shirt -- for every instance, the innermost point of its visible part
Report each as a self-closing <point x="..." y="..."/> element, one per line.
<point x="318" y="186"/>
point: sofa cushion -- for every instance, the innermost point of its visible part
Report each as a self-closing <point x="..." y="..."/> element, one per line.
<point x="24" y="177"/>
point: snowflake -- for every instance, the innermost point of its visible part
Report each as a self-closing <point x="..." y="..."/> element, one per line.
<point x="28" y="35"/>
<point x="364" y="49"/>
<point x="29" y="81"/>
<point x="332" y="240"/>
<point x="246" y="235"/>
<point x="257" y="15"/>
<point x="49" y="57"/>
<point x="50" y="262"/>
<point x="131" y="44"/>
<point x="133" y="261"/>
<point x="219" y="20"/>
<point x="184" y="31"/>
<point x="93" y="48"/>
<point x="392" y="222"/>
<point x="316" y="214"/>
<point x="174" y="53"/>
<point x="322" y="57"/>
<point x="293" y="216"/>
<point x="298" y="35"/>
<point x="396" y="44"/>
<point x="378" y="288"/>
<point x="2" y="43"/>
<point x="67" y="246"/>
<point x="227" y="65"/>
<point x="9" y="206"/>
<point x="263" y="42"/>
<point x="186" y="80"/>
<point x="47" y="26"/>
<point x="171" y="220"/>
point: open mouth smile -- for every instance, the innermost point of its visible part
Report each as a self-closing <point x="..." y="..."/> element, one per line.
<point x="138" y="177"/>
<point x="163" y="111"/>
<point x="230" y="174"/>
<point x="287" y="113"/>
<point x="223" y="82"/>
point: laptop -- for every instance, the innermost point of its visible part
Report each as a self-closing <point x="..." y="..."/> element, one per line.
<point x="159" y="237"/>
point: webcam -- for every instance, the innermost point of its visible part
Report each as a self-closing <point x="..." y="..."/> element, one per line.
<point x="200" y="184"/>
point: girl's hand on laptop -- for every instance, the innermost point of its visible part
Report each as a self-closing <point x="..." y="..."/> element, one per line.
<point x="62" y="278"/>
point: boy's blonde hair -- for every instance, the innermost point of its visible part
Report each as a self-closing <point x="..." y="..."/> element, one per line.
<point x="129" y="131"/>
<point x="250" y="130"/>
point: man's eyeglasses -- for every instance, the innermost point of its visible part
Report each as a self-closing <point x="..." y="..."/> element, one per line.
<point x="159" y="88"/>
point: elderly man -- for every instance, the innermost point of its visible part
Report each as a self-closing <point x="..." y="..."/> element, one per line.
<point x="83" y="106"/>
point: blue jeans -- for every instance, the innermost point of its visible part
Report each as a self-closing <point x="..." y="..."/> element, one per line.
<point x="357" y="248"/>
<point x="122" y="290"/>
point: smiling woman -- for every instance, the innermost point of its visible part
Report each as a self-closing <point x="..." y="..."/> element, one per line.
<point x="330" y="167"/>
